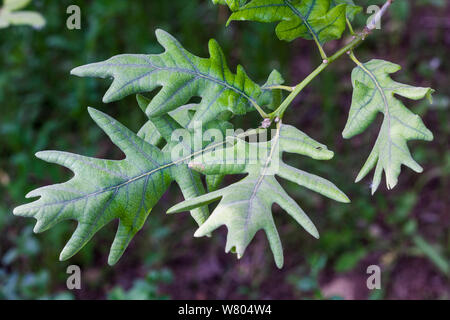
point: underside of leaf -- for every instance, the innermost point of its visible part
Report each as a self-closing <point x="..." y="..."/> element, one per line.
<point x="104" y="190"/>
<point x="374" y="92"/>
<point x="246" y="206"/>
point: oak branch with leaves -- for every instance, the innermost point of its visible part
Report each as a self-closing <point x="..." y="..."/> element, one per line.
<point x="128" y="189"/>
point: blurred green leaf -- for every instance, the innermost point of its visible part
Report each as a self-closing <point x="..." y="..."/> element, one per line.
<point x="348" y="260"/>
<point x="435" y="257"/>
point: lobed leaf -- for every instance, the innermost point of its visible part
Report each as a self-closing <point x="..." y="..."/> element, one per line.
<point x="104" y="190"/>
<point x="374" y="92"/>
<point x="245" y="207"/>
<point x="319" y="20"/>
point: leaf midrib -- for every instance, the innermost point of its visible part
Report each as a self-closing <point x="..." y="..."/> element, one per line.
<point x="260" y="181"/>
<point x="387" y="113"/>
<point x="110" y="188"/>
<point x="196" y="72"/>
<point x="304" y="18"/>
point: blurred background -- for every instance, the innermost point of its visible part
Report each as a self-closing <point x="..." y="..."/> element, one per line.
<point x="405" y="231"/>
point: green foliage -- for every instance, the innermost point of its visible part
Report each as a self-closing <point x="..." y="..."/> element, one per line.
<point x="144" y="289"/>
<point x="128" y="189"/>
<point x="246" y="206"/>
<point x="103" y="190"/>
<point x="374" y="92"/>
<point x="322" y="20"/>
<point x="306" y="276"/>
<point x="182" y="76"/>
<point x="30" y="286"/>
<point x="27" y="245"/>
<point x="10" y="15"/>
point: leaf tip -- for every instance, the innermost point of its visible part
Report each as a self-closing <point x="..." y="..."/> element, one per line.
<point x="328" y="154"/>
<point x="279" y="266"/>
<point x="17" y="211"/>
<point x="64" y="255"/>
<point x="94" y="113"/>
<point x="112" y="260"/>
<point x="142" y="101"/>
<point x="171" y="210"/>
<point x="373" y="190"/>
<point x="48" y="156"/>
<point x="39" y="227"/>
<point x="160" y="32"/>
<point x="360" y="176"/>
<point x="109" y="97"/>
<point x="40" y="154"/>
<point x="345" y="134"/>
<point x="77" y="71"/>
<point x="345" y="198"/>
<point x="391" y="182"/>
<point x="315" y="233"/>
<point x="198" y="234"/>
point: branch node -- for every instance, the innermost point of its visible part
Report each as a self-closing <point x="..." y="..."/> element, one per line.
<point x="266" y="123"/>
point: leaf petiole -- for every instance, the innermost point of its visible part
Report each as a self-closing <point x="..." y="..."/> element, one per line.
<point x="350" y="27"/>
<point x="354" y="59"/>
<point x="280" y="87"/>
<point x="347" y="49"/>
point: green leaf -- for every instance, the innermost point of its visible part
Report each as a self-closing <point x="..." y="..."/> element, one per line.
<point x="213" y="181"/>
<point x="246" y="206"/>
<point x="319" y="20"/>
<point x="374" y="92"/>
<point x="104" y="190"/>
<point x="275" y="78"/>
<point x="432" y="253"/>
<point x="182" y="76"/>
